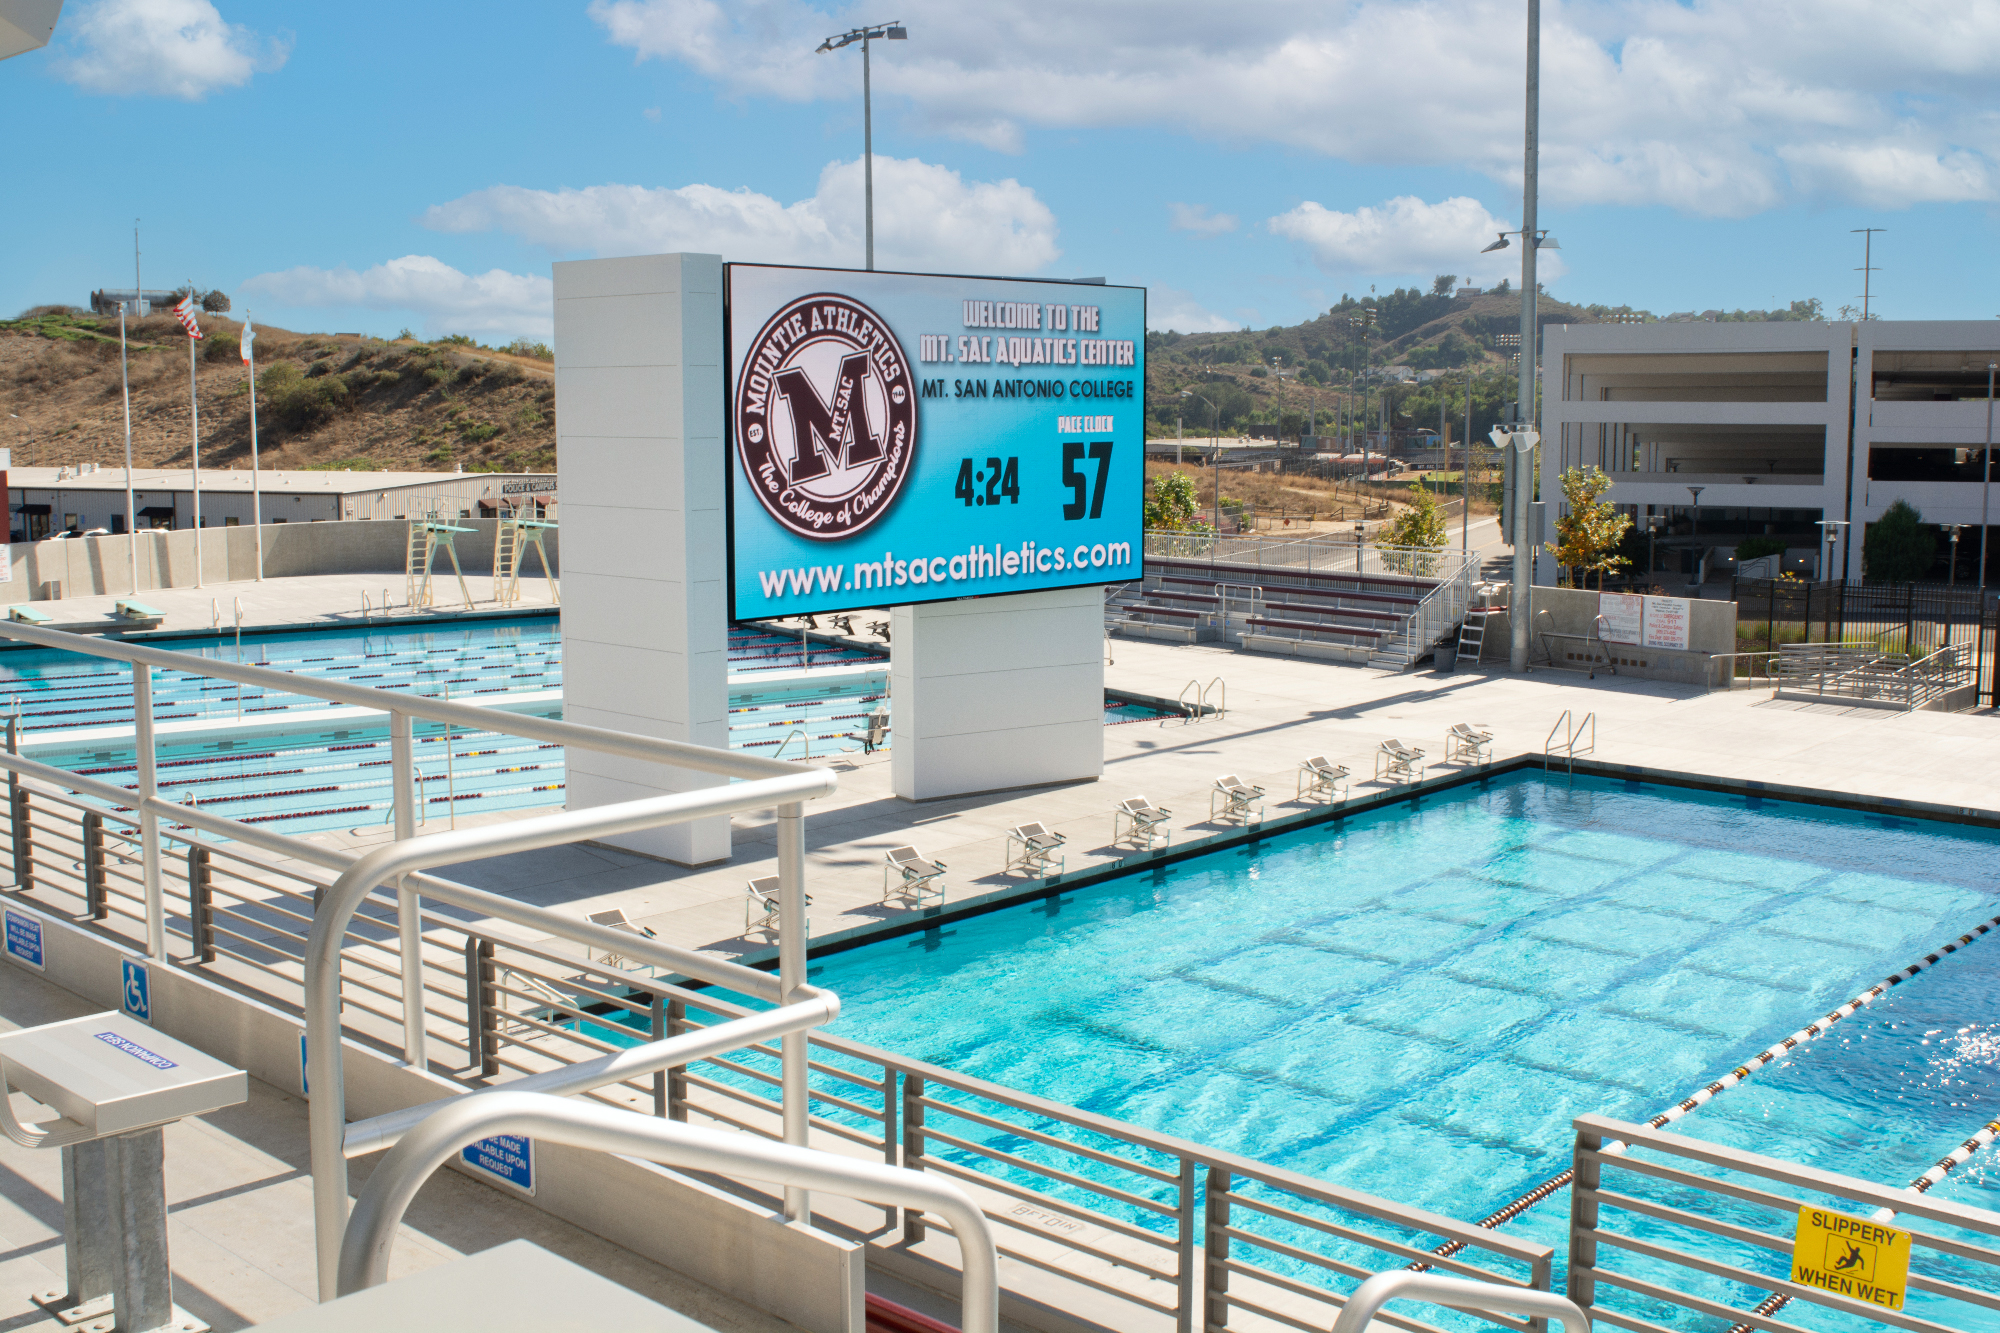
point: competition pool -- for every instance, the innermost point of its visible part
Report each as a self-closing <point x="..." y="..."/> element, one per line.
<point x="302" y="764"/>
<point x="1416" y="1001"/>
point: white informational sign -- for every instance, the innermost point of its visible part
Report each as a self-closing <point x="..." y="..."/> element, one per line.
<point x="1667" y="622"/>
<point x="1623" y="615"/>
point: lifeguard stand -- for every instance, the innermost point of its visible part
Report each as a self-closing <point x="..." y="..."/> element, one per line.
<point x="429" y="535"/>
<point x="511" y="543"/>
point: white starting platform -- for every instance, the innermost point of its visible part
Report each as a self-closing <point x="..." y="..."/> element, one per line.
<point x="113" y="1083"/>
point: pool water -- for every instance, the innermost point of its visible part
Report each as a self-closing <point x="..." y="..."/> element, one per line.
<point x="1416" y="1001"/>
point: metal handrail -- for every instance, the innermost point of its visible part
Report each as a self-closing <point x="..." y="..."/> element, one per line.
<point x="1571" y="744"/>
<point x="364" y="1252"/>
<point x="795" y="731"/>
<point x="766" y="783"/>
<point x="1221" y="707"/>
<point x="1459" y="1294"/>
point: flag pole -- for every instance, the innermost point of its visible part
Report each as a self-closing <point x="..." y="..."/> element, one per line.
<point x="194" y="425"/>
<point x="256" y="494"/>
<point x="131" y="513"/>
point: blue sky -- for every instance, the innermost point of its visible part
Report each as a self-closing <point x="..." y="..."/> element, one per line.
<point x="371" y="167"/>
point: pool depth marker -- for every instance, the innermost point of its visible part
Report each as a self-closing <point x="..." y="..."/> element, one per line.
<point x="1730" y="1080"/>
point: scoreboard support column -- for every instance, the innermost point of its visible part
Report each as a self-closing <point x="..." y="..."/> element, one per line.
<point x="997" y="693"/>
<point x="639" y="435"/>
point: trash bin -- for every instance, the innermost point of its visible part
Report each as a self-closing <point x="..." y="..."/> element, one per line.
<point x="1445" y="656"/>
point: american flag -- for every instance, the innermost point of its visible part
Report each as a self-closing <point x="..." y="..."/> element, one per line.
<point x="184" y="312"/>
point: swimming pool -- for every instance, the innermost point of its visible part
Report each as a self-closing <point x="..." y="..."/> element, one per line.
<point x="1416" y="1001"/>
<point x="303" y="764"/>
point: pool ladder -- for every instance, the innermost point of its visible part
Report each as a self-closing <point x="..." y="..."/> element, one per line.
<point x="1199" y="706"/>
<point x="1580" y="738"/>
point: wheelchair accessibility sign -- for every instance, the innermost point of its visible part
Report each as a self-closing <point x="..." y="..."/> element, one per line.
<point x="1847" y="1256"/>
<point x="136" y="989"/>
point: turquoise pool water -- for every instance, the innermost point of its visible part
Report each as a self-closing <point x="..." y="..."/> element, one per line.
<point x="1416" y="1001"/>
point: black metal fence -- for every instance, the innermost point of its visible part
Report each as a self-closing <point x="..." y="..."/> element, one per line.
<point x="1911" y="618"/>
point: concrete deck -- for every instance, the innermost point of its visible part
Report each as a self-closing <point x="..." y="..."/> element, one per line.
<point x="1280" y="710"/>
<point x="239" y="1207"/>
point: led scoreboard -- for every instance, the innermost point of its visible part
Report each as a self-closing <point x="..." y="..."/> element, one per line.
<point x="902" y="437"/>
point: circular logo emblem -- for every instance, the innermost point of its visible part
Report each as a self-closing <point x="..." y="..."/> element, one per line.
<point x="826" y="417"/>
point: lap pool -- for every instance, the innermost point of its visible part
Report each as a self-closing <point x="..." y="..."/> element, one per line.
<point x="1417" y="1000"/>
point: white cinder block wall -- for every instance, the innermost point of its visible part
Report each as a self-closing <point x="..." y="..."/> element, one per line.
<point x="639" y="421"/>
<point x="997" y="692"/>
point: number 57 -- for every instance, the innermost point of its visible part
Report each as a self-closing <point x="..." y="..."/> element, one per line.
<point x="1100" y="452"/>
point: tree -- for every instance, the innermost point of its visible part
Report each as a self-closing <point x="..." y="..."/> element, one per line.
<point x="1421" y="525"/>
<point x="1898" y="547"/>
<point x="1443" y="284"/>
<point x="1587" y="537"/>
<point x="1172" y="507"/>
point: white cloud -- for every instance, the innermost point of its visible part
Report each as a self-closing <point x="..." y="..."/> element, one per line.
<point x="1407" y="237"/>
<point x="446" y="300"/>
<point x="1171" y="308"/>
<point x="926" y="217"/>
<point x="170" y="48"/>
<point x="1197" y="219"/>
<point x="1723" y="107"/>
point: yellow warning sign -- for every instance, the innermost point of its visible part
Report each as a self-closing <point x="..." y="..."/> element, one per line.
<point x="1851" y="1257"/>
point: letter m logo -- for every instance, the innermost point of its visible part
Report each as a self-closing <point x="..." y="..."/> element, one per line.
<point x="828" y="434"/>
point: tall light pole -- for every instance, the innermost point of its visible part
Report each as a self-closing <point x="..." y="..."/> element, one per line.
<point x="1214" y="453"/>
<point x="1532" y="240"/>
<point x="893" y="32"/>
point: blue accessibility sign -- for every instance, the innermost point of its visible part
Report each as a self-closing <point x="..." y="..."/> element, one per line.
<point x="508" y="1158"/>
<point x="135" y="985"/>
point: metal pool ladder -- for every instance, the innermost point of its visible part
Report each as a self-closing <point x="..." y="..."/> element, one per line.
<point x="1578" y="739"/>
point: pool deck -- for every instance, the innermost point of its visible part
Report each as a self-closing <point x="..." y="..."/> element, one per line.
<point x="315" y="601"/>
<point x="1280" y="710"/>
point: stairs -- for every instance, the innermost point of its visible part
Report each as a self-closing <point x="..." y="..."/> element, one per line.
<point x="1472" y="634"/>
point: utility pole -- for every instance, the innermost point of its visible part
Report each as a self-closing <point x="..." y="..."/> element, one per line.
<point x="1867" y="235"/>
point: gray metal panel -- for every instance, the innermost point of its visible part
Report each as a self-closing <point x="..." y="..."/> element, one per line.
<point x="111" y="1073"/>
<point x="518" y="1287"/>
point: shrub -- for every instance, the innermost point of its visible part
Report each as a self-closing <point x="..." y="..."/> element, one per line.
<point x="387" y="377"/>
<point x="1899" y="547"/>
<point x="221" y="347"/>
<point x="477" y="432"/>
<point x="522" y="347"/>
<point x="471" y="371"/>
<point x="215" y="302"/>
<point x="436" y="375"/>
<point x="301" y="402"/>
<point x="1756" y="548"/>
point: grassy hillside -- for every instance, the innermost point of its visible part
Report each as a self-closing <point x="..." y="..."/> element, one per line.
<point x="323" y="400"/>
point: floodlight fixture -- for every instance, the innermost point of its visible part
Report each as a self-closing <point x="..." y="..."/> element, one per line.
<point x="1500" y="244"/>
<point x="27" y="25"/>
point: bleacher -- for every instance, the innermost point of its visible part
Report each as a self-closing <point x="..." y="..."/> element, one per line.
<point x="1181" y="599"/>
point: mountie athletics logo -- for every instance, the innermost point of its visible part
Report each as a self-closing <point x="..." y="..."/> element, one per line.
<point x="826" y="416"/>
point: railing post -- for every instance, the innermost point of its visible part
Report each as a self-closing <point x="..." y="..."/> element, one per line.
<point x="409" y="907"/>
<point x="93" y="866"/>
<point x="1215" y="1239"/>
<point x="201" y="902"/>
<point x="791" y="975"/>
<point x="1583" y="1221"/>
<point x="677" y="1077"/>
<point x="149" y="822"/>
<point x="482" y="1030"/>
<point x="24" y="842"/>
<point x="1184" y="1249"/>
<point x="13" y="788"/>
<point x="913" y="1150"/>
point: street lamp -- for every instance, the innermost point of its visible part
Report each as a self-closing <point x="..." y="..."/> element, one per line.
<point x="1214" y="453"/>
<point x="1951" y="578"/>
<point x="1652" y="545"/>
<point x="894" y="32"/>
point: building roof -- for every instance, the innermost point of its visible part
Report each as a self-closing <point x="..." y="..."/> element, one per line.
<point x="280" y="481"/>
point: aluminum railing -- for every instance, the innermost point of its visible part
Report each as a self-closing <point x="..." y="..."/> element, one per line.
<point x="760" y="784"/>
<point x="1179" y="1235"/>
<point x="1686" y="1233"/>
<point x="1863" y="672"/>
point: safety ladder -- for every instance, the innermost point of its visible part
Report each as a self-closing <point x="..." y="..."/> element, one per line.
<point x="429" y="535"/>
<point x="511" y="542"/>
<point x="1472" y="634"/>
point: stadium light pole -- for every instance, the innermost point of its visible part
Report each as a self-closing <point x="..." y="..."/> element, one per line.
<point x="1524" y="409"/>
<point x="893" y="32"/>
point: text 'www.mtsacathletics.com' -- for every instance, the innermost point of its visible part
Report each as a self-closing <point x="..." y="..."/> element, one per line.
<point x="980" y="562"/>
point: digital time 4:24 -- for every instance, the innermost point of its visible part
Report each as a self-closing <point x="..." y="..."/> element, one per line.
<point x="1001" y="479"/>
